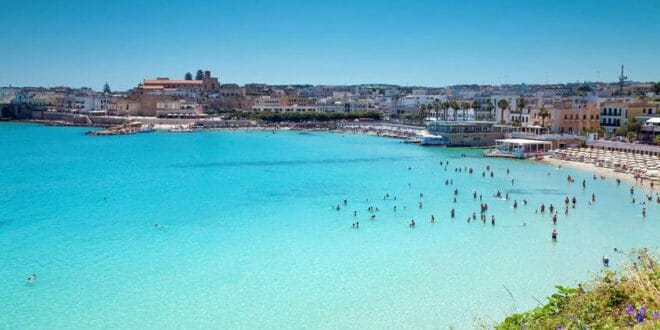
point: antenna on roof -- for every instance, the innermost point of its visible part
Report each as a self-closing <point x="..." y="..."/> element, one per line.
<point x="622" y="81"/>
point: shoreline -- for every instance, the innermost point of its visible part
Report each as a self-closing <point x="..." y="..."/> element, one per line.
<point x="602" y="171"/>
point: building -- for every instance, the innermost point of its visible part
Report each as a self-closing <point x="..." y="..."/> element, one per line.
<point x="575" y="120"/>
<point x="182" y="87"/>
<point x="178" y="108"/>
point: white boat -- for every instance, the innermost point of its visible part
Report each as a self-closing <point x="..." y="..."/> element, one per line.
<point x="181" y="128"/>
<point x="147" y="129"/>
<point x="433" y="140"/>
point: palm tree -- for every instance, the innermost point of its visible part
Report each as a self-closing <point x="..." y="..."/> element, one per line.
<point x="475" y="105"/>
<point x="490" y="107"/>
<point x="422" y="112"/>
<point x="454" y="106"/>
<point x="521" y="103"/>
<point x="543" y="113"/>
<point x="445" y="109"/>
<point x="502" y="104"/>
<point x="464" y="107"/>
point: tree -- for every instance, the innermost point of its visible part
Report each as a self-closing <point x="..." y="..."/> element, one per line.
<point x="199" y="75"/>
<point x="521" y="103"/>
<point x="543" y="113"/>
<point x="436" y="108"/>
<point x="656" y="88"/>
<point x="503" y="105"/>
<point x="454" y="106"/>
<point x="657" y="140"/>
<point x="464" y="107"/>
<point x="188" y="76"/>
<point x="422" y="111"/>
<point x="490" y="107"/>
<point x="106" y="88"/>
<point x="631" y="136"/>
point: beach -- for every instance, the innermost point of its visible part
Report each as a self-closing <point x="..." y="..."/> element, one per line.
<point x="599" y="171"/>
<point x="213" y="227"/>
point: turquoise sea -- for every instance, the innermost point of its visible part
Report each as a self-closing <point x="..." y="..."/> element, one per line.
<point x="249" y="237"/>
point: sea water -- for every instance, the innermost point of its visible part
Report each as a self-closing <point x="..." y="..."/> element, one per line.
<point x="239" y="229"/>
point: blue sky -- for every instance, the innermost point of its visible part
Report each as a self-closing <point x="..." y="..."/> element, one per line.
<point x="432" y="43"/>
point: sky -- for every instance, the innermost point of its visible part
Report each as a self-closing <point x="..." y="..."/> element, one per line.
<point x="423" y="43"/>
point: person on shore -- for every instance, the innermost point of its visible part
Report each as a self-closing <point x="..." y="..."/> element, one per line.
<point x="32" y="278"/>
<point x="554" y="235"/>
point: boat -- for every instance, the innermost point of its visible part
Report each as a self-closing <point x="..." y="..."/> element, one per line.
<point x="433" y="140"/>
<point x="181" y="128"/>
<point x="147" y="129"/>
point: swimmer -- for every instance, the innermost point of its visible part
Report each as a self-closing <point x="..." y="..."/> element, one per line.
<point x="32" y="278"/>
<point x="432" y="218"/>
<point x="515" y="204"/>
<point x="345" y="202"/>
<point x="394" y="208"/>
<point x="421" y="195"/>
<point x="554" y="235"/>
<point x="606" y="261"/>
<point x="355" y="212"/>
<point x="554" y="219"/>
<point x="157" y="225"/>
<point x="373" y="217"/>
<point x="492" y="220"/>
<point x="453" y="213"/>
<point x="412" y="223"/>
<point x="420" y="205"/>
<point x="644" y="212"/>
<point x="593" y="198"/>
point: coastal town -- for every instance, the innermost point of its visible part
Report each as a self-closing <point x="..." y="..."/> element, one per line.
<point x="513" y="120"/>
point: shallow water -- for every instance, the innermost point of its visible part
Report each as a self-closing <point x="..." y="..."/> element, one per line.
<point x="249" y="238"/>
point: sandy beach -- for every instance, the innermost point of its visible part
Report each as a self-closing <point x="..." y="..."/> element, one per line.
<point x="602" y="171"/>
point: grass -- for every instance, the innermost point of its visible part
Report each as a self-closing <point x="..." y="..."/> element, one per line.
<point x="629" y="298"/>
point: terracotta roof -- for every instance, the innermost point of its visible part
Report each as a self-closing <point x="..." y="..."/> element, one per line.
<point x="164" y="81"/>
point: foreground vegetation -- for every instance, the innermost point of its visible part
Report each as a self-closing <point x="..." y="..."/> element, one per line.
<point x="628" y="299"/>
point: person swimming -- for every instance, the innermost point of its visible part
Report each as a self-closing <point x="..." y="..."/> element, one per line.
<point x="420" y="205"/>
<point x="412" y="223"/>
<point x="492" y="220"/>
<point x="453" y="213"/>
<point x="515" y="204"/>
<point x="32" y="278"/>
<point x="644" y="212"/>
<point x="432" y="218"/>
<point x="554" y="235"/>
<point x="554" y="219"/>
<point x="373" y="217"/>
<point x="606" y="261"/>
